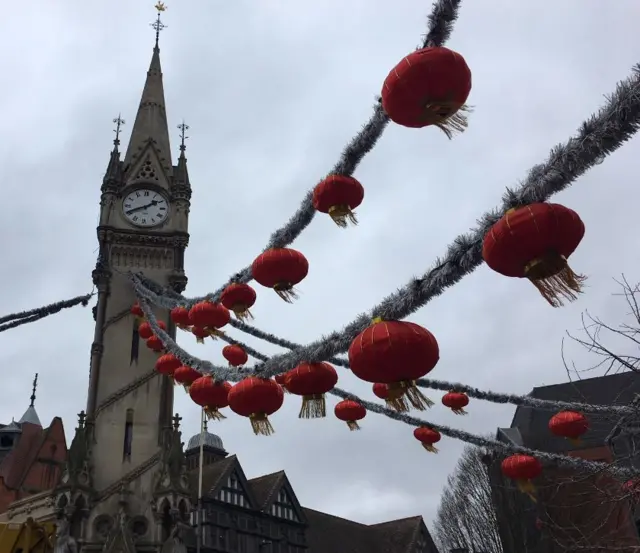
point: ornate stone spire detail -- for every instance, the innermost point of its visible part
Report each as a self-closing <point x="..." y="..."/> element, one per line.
<point x="151" y="120"/>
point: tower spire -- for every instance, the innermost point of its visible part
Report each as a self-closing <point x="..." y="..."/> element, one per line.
<point x="33" y="391"/>
<point x="151" y="120"/>
<point x="30" y="415"/>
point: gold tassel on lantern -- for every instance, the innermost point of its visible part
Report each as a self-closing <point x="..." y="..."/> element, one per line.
<point x="215" y="333"/>
<point x="261" y="425"/>
<point x="353" y="425"/>
<point x="212" y="413"/>
<point x="430" y="447"/>
<point x="554" y="279"/>
<point x="395" y="398"/>
<point x="313" y="407"/>
<point x="527" y="487"/>
<point x="286" y="291"/>
<point x="417" y="399"/>
<point x="447" y="116"/>
<point x="397" y="404"/>
<point x="242" y="312"/>
<point x="341" y="214"/>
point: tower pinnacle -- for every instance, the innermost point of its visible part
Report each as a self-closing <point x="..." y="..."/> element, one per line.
<point x="30" y="415"/>
<point x="183" y="129"/>
<point x="151" y="120"/>
<point x="33" y="391"/>
<point x="119" y="121"/>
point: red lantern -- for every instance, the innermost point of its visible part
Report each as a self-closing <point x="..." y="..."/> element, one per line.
<point x="280" y="269"/>
<point x="338" y="195"/>
<point x="186" y="376"/>
<point x="167" y="364"/>
<point x="631" y="489"/>
<point x="209" y="315"/>
<point x="256" y="398"/>
<point x="427" y="437"/>
<point x="180" y="317"/>
<point x="350" y="412"/>
<point x="396" y="403"/>
<point x="535" y="242"/>
<point x="136" y="311"/>
<point x="395" y="353"/>
<point x="523" y="469"/>
<point x="239" y="298"/>
<point x="312" y="381"/>
<point x="570" y="425"/>
<point x="154" y="343"/>
<point x="456" y="401"/>
<point x="428" y="87"/>
<point x="210" y="395"/>
<point x="145" y="331"/>
<point x="282" y="380"/>
<point x="235" y="355"/>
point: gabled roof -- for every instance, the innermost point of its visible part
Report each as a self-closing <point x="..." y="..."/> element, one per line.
<point x="265" y="488"/>
<point x="16" y="466"/>
<point x="215" y="475"/>
<point x="327" y="533"/>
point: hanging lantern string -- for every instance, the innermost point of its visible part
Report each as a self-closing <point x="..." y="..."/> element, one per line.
<point x="493" y="397"/>
<point x="600" y="135"/>
<point x="439" y="27"/>
<point x="24" y="317"/>
<point x="225" y="373"/>
<point x="593" y="467"/>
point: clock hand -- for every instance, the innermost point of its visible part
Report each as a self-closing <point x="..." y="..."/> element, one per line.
<point x="142" y="207"/>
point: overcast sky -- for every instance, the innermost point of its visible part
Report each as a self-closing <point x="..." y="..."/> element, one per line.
<point x="272" y="91"/>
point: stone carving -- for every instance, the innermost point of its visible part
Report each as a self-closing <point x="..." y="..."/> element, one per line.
<point x="129" y="257"/>
<point x="65" y="542"/>
<point x="111" y="236"/>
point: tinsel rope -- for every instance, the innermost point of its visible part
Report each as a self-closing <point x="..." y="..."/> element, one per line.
<point x="554" y="458"/>
<point x="17" y="319"/>
<point x="493" y="397"/>
<point x="233" y="374"/>
<point x="603" y="133"/>
<point x="439" y="27"/>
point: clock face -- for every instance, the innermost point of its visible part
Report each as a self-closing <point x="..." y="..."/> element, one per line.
<point x="145" y="208"/>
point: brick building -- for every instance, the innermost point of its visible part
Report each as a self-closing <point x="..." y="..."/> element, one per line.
<point x="573" y="512"/>
<point x="31" y="457"/>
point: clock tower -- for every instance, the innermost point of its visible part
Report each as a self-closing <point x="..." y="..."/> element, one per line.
<point x="125" y="487"/>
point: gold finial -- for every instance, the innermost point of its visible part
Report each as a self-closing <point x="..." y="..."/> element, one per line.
<point x="158" y="25"/>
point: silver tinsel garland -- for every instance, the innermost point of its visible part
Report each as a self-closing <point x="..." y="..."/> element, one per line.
<point x="552" y="458"/>
<point x="600" y="135"/>
<point x="439" y="27"/>
<point x="23" y="317"/>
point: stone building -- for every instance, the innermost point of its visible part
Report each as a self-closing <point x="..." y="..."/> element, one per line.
<point x="573" y="511"/>
<point x="125" y="484"/>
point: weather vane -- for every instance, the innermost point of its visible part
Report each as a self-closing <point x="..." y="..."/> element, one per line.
<point x="158" y="25"/>
<point x="119" y="121"/>
<point x="183" y="129"/>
